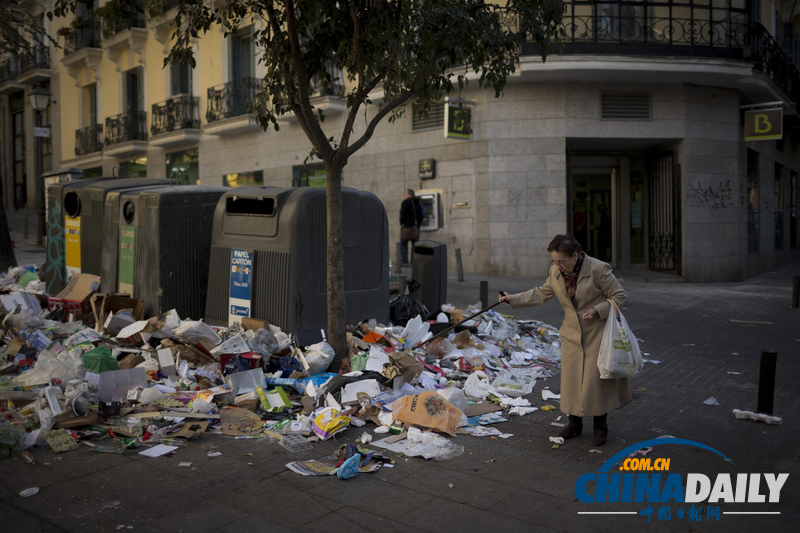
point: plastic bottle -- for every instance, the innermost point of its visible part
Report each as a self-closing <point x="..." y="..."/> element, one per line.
<point x="180" y="443"/>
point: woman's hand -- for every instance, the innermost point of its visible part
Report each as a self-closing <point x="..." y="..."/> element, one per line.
<point x="590" y="314"/>
<point x="505" y="298"/>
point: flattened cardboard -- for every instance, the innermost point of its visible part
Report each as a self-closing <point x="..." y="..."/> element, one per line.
<point x="254" y="324"/>
<point x="28" y="302"/>
<point x="87" y="420"/>
<point x="478" y="409"/>
<point x="115" y="384"/>
<point x="192" y="429"/>
<point x="237" y="421"/>
<point x="135" y="334"/>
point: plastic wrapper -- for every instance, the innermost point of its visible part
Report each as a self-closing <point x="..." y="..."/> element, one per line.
<point x="455" y="397"/>
<point x="431" y="446"/>
<point x="478" y="386"/>
<point x="62" y="365"/>
<point x="263" y="342"/>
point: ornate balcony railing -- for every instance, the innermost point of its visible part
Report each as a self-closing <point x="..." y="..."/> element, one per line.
<point x="159" y="7"/>
<point x="89" y="140"/>
<point x="9" y="69"/>
<point x="114" y="23"/>
<point x="36" y="57"/>
<point x="231" y="99"/>
<point x="334" y="88"/>
<point x="126" y="127"/>
<point x="178" y="113"/>
<point x="768" y="57"/>
<point x="85" y="36"/>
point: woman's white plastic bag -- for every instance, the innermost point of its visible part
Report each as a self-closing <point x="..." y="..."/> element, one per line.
<point x="619" y="356"/>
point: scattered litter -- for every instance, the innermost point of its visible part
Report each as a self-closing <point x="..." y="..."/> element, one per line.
<point x="734" y="373"/>
<point x="548" y="407"/>
<point x="547" y="395"/>
<point x="184" y="464"/>
<point x="215" y="454"/>
<point x="595" y="451"/>
<point x="651" y="360"/>
<point x="557" y="440"/>
<point x="711" y="401"/>
<point x="27" y="493"/>
<point x="158" y="451"/>
<point x="758" y="417"/>
<point x="643" y="451"/>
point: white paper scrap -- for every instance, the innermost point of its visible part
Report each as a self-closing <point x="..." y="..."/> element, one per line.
<point x="547" y="395"/>
<point x="158" y="451"/>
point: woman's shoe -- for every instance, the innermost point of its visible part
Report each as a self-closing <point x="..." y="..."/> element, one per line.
<point x="600" y="430"/>
<point x="573" y="429"/>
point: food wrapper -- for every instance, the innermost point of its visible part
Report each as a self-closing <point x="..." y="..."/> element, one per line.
<point x="329" y="422"/>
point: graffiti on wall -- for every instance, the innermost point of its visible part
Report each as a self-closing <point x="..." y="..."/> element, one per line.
<point x="714" y="196"/>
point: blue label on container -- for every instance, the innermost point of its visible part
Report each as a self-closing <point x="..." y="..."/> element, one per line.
<point x="241" y="285"/>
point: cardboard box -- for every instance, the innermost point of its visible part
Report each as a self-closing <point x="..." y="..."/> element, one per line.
<point x="254" y="324"/>
<point x="135" y="334"/>
<point x="167" y="362"/>
<point x="115" y="384"/>
<point x="29" y="302"/>
<point x="117" y="322"/>
<point x="104" y="305"/>
<point x="74" y="297"/>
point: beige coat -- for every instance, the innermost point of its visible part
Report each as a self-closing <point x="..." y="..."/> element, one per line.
<point x="582" y="390"/>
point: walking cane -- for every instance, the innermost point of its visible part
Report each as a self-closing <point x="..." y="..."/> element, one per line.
<point x="455" y="326"/>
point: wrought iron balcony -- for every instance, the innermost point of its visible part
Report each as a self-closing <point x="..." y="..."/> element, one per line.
<point x="335" y="88"/>
<point x="113" y="24"/>
<point x="9" y="69"/>
<point x="85" y="36"/>
<point x="126" y="127"/>
<point x="36" y="57"/>
<point x="159" y="7"/>
<point x="231" y="99"/>
<point x="652" y="27"/>
<point x="89" y="140"/>
<point x="768" y="57"/>
<point x="178" y="113"/>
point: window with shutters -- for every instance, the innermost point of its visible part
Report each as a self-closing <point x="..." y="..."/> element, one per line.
<point x="625" y="106"/>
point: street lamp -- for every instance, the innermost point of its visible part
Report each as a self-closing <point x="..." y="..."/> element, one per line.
<point x="39" y="99"/>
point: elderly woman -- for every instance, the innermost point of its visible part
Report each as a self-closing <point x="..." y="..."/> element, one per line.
<point x="582" y="285"/>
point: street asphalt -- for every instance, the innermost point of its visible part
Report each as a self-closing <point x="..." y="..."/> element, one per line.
<point x="708" y="339"/>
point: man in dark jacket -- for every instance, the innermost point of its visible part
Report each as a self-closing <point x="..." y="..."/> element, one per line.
<point x="410" y="220"/>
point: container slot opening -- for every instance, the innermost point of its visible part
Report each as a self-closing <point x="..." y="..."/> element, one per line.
<point x="250" y="206"/>
<point x="72" y="204"/>
<point x="129" y="211"/>
<point x="422" y="250"/>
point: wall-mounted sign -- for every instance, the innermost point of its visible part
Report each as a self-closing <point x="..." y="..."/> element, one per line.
<point x="763" y="124"/>
<point x="457" y="121"/>
<point x="41" y="132"/>
<point x="427" y="169"/>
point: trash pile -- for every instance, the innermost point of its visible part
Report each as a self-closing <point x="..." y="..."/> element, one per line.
<point x="84" y="369"/>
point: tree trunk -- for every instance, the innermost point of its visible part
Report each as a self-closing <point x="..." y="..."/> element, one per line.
<point x="337" y="315"/>
<point x="7" y="257"/>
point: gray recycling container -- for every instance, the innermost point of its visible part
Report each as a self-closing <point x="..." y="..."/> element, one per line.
<point x="84" y="211"/>
<point x="268" y="257"/>
<point x="55" y="260"/>
<point x="164" y="236"/>
<point x="430" y="270"/>
<point x="111" y="236"/>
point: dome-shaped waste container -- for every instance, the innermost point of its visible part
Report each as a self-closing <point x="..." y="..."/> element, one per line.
<point x="268" y="257"/>
<point x="163" y="247"/>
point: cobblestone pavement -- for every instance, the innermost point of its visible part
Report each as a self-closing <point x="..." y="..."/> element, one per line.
<point x="520" y="484"/>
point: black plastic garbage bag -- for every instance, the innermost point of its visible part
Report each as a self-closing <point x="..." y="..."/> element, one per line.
<point x="406" y="307"/>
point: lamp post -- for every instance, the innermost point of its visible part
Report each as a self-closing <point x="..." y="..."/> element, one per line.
<point x="39" y="99"/>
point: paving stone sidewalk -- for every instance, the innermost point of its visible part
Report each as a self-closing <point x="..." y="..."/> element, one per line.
<point x="519" y="485"/>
